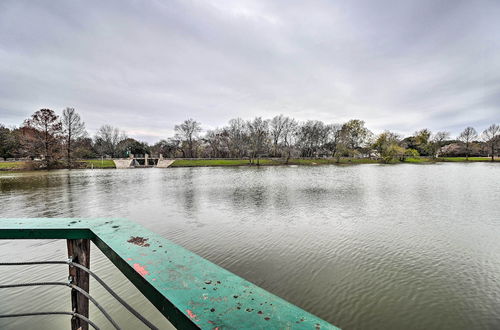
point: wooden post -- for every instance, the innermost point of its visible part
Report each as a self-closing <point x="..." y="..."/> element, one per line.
<point x="79" y="250"/>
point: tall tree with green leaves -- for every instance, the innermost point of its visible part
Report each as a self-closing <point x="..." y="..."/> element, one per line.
<point x="355" y="135"/>
<point x="421" y="141"/>
<point x="9" y="142"/>
<point x="387" y="144"/>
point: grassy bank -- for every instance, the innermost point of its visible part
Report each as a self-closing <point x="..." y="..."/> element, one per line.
<point x="266" y="162"/>
<point x="87" y="163"/>
<point x="12" y="165"/>
<point x="318" y="161"/>
<point x="107" y="163"/>
<point x="97" y="163"/>
<point x="463" y="159"/>
<point x="449" y="159"/>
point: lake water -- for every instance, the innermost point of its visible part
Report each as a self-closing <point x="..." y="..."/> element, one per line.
<point x="364" y="247"/>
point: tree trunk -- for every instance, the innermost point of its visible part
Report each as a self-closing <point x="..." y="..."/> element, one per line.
<point x="69" y="147"/>
<point x="69" y="153"/>
<point x="47" y="159"/>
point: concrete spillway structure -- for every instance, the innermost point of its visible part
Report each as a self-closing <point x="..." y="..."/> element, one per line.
<point x="143" y="161"/>
<point x="164" y="163"/>
<point x="123" y="163"/>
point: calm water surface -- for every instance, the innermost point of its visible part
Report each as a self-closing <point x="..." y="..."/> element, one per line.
<point x="364" y="247"/>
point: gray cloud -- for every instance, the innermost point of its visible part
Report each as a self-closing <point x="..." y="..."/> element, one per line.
<point x="146" y="65"/>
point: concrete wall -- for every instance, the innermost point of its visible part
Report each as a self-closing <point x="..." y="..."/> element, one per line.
<point x="123" y="163"/>
<point x="164" y="163"/>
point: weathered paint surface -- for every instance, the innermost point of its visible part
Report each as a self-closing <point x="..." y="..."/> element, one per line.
<point x="189" y="290"/>
<point x="141" y="269"/>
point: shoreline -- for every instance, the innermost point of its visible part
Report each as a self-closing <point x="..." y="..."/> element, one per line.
<point x="109" y="164"/>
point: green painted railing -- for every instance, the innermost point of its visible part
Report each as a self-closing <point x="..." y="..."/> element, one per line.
<point x="190" y="291"/>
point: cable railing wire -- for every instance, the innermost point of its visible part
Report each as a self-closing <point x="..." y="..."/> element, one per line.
<point x="67" y="284"/>
<point x="97" y="278"/>
<point x="80" y="316"/>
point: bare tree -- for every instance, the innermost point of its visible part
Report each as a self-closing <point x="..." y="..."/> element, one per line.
<point x="217" y="142"/>
<point x="437" y="141"/>
<point x="188" y="132"/>
<point x="312" y="136"/>
<point x="73" y="128"/>
<point x="289" y="137"/>
<point x="107" y="139"/>
<point x="276" y="127"/>
<point x="258" y="134"/>
<point x="333" y="139"/>
<point x="167" y="148"/>
<point x="468" y="135"/>
<point x="46" y="129"/>
<point x="237" y="137"/>
<point x="491" y="136"/>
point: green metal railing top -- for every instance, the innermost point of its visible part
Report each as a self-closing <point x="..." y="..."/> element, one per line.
<point x="190" y="291"/>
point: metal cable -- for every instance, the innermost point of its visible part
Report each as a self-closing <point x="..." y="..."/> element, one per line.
<point x="97" y="278"/>
<point x="116" y="296"/>
<point x="52" y="313"/>
<point x="77" y="288"/>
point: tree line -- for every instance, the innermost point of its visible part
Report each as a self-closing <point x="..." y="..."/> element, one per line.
<point x="57" y="140"/>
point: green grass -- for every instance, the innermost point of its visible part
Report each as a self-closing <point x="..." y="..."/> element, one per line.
<point x="448" y="159"/>
<point x="209" y="162"/>
<point x="11" y="165"/>
<point x="463" y="159"/>
<point x="326" y="161"/>
<point x="318" y="161"/>
<point x="417" y="160"/>
<point x="266" y="162"/>
<point x="106" y="163"/>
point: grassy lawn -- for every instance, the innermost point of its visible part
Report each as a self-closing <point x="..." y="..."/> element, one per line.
<point x="318" y="161"/>
<point x="209" y="162"/>
<point x="462" y="159"/>
<point x="106" y="163"/>
<point x="245" y="162"/>
<point x="417" y="160"/>
<point x="448" y="159"/>
<point x="326" y="161"/>
<point x="11" y="165"/>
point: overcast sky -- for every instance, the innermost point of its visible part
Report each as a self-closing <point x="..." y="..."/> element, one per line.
<point x="145" y="66"/>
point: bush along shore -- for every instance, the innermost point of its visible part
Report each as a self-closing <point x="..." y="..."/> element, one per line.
<point x="109" y="164"/>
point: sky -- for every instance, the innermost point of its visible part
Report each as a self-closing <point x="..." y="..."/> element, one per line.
<point x="145" y="66"/>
